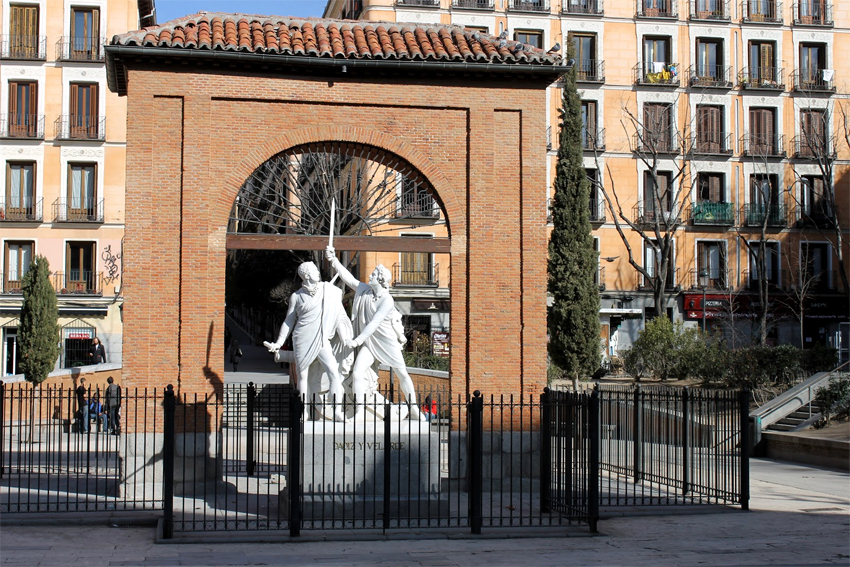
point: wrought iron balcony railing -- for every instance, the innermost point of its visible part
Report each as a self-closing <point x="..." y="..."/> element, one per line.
<point x="419" y="3"/>
<point x="761" y="11"/>
<point x="23" y="47"/>
<point x="593" y="141"/>
<point x="765" y="78"/>
<point x="656" y="73"/>
<point x="755" y="145"/>
<point x="710" y="76"/>
<point x="599" y="278"/>
<point x="754" y="215"/>
<point x="814" y="215"/>
<point x="711" y="143"/>
<point x="597" y="210"/>
<point x="64" y="212"/>
<point x="528" y="5"/>
<point x="713" y="10"/>
<point x="712" y="214"/>
<point x="80" y="128"/>
<point x="25" y="209"/>
<point x="427" y="276"/>
<point x="814" y="80"/>
<point x="590" y="71"/>
<point x="658" y="9"/>
<point x="813" y="13"/>
<point x="474" y="4"/>
<point x="644" y="215"/>
<point x="70" y="48"/>
<point x="650" y="143"/>
<point x="417" y="206"/>
<point x="813" y="147"/>
<point x="77" y="282"/>
<point x="22" y="126"/>
<point x="821" y="281"/>
<point x="671" y="283"/>
<point x="587" y="7"/>
<point x="12" y="283"/>
<point x="775" y="280"/>
<point x="710" y="280"/>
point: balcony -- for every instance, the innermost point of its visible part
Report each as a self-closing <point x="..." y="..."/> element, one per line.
<point x="762" y="78"/>
<point x="599" y="278"/>
<point x="528" y="6"/>
<point x="80" y="128"/>
<point x="597" y="211"/>
<point x="814" y="81"/>
<point x="63" y="212"/>
<point x="776" y="282"/>
<point x="11" y="283"/>
<point x="593" y="141"/>
<point x="822" y="281"/>
<point x="813" y="13"/>
<point x="645" y="216"/>
<point x="666" y="9"/>
<point x="710" y="10"/>
<point x="26" y="210"/>
<point x="22" y="126"/>
<point x="754" y="145"/>
<point x="707" y="213"/>
<point x="814" y="215"/>
<point x="710" y="77"/>
<point x="23" y="47"/>
<point x="656" y="74"/>
<point x="590" y="71"/>
<point x="77" y="282"/>
<point x="711" y="144"/>
<point x="80" y="49"/>
<point x="813" y="147"/>
<point x="671" y="284"/>
<point x="755" y="214"/>
<point x="649" y="143"/>
<point x="418" y="3"/>
<point x="761" y="12"/>
<point x="417" y="206"/>
<point x="428" y="276"/>
<point x="585" y="7"/>
<point x="474" y="4"/>
<point x="703" y="279"/>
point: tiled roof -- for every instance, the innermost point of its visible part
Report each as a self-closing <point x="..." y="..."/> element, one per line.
<point x="337" y="39"/>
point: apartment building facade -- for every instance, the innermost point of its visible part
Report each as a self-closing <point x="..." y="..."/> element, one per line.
<point x="62" y="147"/>
<point x="718" y="122"/>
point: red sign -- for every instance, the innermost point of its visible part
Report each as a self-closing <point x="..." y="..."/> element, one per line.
<point x="78" y="335"/>
<point x="440" y="344"/>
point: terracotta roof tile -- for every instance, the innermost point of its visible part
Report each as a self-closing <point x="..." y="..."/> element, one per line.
<point x="318" y="37"/>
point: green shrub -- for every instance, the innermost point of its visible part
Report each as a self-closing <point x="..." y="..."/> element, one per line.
<point x="834" y="401"/>
<point x="820" y="358"/>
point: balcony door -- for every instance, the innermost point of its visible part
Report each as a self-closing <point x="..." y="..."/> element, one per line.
<point x="416" y="201"/>
<point x="711" y="262"/>
<point x="764" y="190"/>
<point x="656" y="54"/>
<point x="812" y="61"/>
<point x="83" y="118"/>
<point x="85" y="33"/>
<point x="710" y="129"/>
<point x="79" y="267"/>
<point x="709" y="59"/>
<point x="657" y="198"/>
<point x="814" y="201"/>
<point x="585" y="45"/>
<point x="23" y="32"/>
<point x="588" y="124"/>
<point x="18" y="259"/>
<point x="771" y="262"/>
<point x="762" y="131"/>
<point x="814" y="265"/>
<point x="762" y="62"/>
<point x="710" y="188"/>
<point x="23" y="109"/>
<point x="20" y="190"/>
<point x="82" y="192"/>
<point x="813" y="132"/>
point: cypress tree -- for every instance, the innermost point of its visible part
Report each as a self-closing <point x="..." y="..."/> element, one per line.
<point x="574" y="316"/>
<point x="39" y="330"/>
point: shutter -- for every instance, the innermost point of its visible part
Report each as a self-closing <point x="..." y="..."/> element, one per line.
<point x="591" y="123"/>
<point x="715" y="191"/>
<point x="766" y="55"/>
<point x="74" y="114"/>
<point x="664" y="191"/>
<point x="95" y="33"/>
<point x="714" y="127"/>
<point x="92" y="112"/>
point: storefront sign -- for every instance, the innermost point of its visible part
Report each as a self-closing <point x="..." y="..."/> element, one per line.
<point x="78" y="334"/>
<point x="440" y="344"/>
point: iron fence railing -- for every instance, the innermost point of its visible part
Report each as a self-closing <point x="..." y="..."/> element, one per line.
<point x="23" y="209"/>
<point x="671" y="282"/>
<point x="759" y="145"/>
<point x="711" y="143"/>
<point x="597" y="210"/>
<point x="417" y="205"/>
<point x="593" y="140"/>
<point x="72" y="48"/>
<point x="813" y="13"/>
<point x="813" y="80"/>
<point x="590" y="71"/>
<point x="755" y="214"/>
<point x="813" y="147"/>
<point x="767" y="78"/>
<point x="777" y="280"/>
<point x="83" y="212"/>
<point x="651" y="143"/>
<point x="761" y="11"/>
<point x="817" y="214"/>
<point x="22" y="126"/>
<point x="657" y="9"/>
<point x="24" y="47"/>
<point x="712" y="10"/>
<point x="657" y="74"/>
<point x="80" y="127"/>
<point x="56" y="456"/>
<point x="646" y="215"/>
<point x="77" y="282"/>
<point x="474" y="4"/>
<point x="528" y="5"/>
<point x="712" y="214"/>
<point x="425" y="276"/>
<point x="599" y="278"/>
<point x="710" y="76"/>
<point x="711" y="280"/>
<point x="587" y="7"/>
<point x="12" y="282"/>
<point x="419" y="3"/>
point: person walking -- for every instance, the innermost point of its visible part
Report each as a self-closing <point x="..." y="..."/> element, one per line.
<point x="112" y="405"/>
<point x="82" y="408"/>
<point x="97" y="352"/>
<point x="235" y="354"/>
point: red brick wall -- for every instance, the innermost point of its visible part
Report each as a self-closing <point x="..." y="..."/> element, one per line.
<point x="193" y="138"/>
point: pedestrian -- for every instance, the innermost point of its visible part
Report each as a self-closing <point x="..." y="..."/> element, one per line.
<point x="235" y="354"/>
<point x="97" y="352"/>
<point x="97" y="414"/>
<point x="113" y="404"/>
<point x="82" y="408"/>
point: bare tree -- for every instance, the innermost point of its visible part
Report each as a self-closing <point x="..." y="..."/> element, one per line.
<point x="806" y="286"/>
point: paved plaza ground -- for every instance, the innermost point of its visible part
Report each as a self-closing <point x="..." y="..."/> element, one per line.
<point x="799" y="515"/>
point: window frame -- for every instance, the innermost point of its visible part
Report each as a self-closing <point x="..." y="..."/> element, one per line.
<point x="523" y="36"/>
<point x="11" y="285"/>
<point x="23" y="208"/>
<point x="87" y="211"/>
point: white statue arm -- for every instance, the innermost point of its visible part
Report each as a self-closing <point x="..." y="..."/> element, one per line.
<point x="285" y="327"/>
<point x="344" y="274"/>
<point x="385" y="308"/>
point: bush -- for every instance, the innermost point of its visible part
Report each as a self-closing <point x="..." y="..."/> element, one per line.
<point x="819" y="358"/>
<point x="834" y="401"/>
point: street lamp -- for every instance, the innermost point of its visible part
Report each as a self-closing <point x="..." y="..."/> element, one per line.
<point x="703" y="284"/>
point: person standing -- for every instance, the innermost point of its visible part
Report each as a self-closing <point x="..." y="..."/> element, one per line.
<point x="112" y="404"/>
<point x="97" y="352"/>
<point x="235" y="354"/>
<point x="82" y="408"/>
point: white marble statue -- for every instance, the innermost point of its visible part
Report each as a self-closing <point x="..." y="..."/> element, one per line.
<point x="315" y="317"/>
<point x="376" y="333"/>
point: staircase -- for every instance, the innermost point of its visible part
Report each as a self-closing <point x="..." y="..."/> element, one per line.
<point x="801" y="418"/>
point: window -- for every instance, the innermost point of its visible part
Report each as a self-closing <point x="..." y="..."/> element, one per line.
<point x="813" y="135"/>
<point x="709" y="8"/>
<point x="653" y="8"/>
<point x="710" y="137"/>
<point x="83" y="107"/>
<point x="656" y="55"/>
<point x="414" y="326"/>
<point x="711" y="262"/>
<point x="812" y="11"/>
<point x="585" y="55"/>
<point x="583" y="6"/>
<point x="532" y="38"/>
<point x="415" y="268"/>
<point x="764" y="189"/>
<point x="814" y="265"/>
<point x="763" y="63"/>
<point x="762" y="131"/>
<point x="813" y="200"/>
<point x="416" y="200"/>
<point x="709" y="53"/>
<point x="23" y="32"/>
<point x="710" y="188"/>
<point x="20" y="191"/>
<point x="657" y="201"/>
<point x="17" y="263"/>
<point x="652" y="261"/>
<point x="712" y="206"/>
<point x="597" y="208"/>
<point x="82" y="192"/>
<point x="761" y="10"/>
<point x="771" y="263"/>
<point x="589" y="133"/>
<point x="765" y="202"/>
<point x="79" y="266"/>
<point x="479" y="29"/>
<point x="812" y="62"/>
<point x="85" y="33"/>
<point x="23" y="109"/>
<point x="657" y="127"/>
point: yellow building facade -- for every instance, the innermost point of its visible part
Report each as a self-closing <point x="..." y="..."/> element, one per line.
<point x="62" y="148"/>
<point x="738" y="107"/>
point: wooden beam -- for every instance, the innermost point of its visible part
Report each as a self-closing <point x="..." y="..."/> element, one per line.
<point x="352" y="243"/>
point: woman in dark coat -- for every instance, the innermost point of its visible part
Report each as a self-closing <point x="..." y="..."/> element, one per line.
<point x="97" y="352"/>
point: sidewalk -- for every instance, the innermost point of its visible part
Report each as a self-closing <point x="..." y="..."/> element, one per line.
<point x="799" y="515"/>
